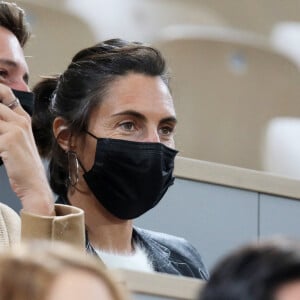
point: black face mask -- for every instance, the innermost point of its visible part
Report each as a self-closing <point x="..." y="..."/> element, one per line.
<point x="26" y="100"/>
<point x="129" y="178"/>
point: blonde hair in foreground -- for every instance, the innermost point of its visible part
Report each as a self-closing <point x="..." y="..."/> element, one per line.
<point x="29" y="271"/>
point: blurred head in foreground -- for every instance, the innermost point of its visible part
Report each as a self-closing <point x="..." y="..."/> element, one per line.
<point x="269" y="270"/>
<point x="43" y="271"/>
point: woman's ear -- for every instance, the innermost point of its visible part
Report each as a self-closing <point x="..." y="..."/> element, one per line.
<point x="62" y="133"/>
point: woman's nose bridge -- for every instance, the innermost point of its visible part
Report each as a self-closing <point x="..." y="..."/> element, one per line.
<point x="152" y="135"/>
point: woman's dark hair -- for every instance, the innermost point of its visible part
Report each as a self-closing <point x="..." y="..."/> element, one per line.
<point x="42" y="116"/>
<point x="254" y="272"/>
<point x="81" y="88"/>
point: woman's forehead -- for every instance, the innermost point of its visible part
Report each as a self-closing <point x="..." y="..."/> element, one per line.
<point x="134" y="91"/>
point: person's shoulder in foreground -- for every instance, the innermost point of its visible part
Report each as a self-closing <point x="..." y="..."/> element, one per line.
<point x="171" y="254"/>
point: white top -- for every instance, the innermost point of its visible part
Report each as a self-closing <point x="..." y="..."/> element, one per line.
<point x="138" y="260"/>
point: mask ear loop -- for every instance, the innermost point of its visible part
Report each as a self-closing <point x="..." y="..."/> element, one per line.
<point x="73" y="168"/>
<point x="91" y="134"/>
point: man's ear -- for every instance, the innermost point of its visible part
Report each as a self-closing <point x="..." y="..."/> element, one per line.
<point x="62" y="133"/>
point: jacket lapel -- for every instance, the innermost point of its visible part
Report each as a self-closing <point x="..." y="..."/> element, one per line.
<point x="157" y="253"/>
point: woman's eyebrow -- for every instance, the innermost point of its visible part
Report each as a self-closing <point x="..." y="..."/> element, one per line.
<point x="169" y="120"/>
<point x="141" y="117"/>
<point x="132" y="113"/>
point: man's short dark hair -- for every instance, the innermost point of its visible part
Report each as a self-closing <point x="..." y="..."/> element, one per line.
<point x="255" y="272"/>
<point x="12" y="17"/>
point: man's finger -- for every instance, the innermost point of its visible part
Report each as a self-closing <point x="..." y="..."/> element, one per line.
<point x="12" y="115"/>
<point x="9" y="99"/>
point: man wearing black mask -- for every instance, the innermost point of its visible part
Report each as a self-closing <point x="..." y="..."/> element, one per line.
<point x="18" y="151"/>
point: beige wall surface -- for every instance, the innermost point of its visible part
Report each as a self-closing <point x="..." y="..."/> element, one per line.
<point x="56" y="36"/>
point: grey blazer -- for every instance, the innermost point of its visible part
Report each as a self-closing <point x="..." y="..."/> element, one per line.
<point x="171" y="254"/>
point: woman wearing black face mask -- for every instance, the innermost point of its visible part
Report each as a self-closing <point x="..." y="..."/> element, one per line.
<point x="112" y="151"/>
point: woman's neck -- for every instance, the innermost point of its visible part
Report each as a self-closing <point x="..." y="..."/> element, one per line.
<point x="105" y="231"/>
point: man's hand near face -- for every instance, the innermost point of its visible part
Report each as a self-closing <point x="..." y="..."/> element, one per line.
<point x="20" y="156"/>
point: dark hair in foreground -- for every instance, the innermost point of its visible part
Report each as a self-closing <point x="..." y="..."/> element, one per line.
<point x="12" y="17"/>
<point x="254" y="272"/>
<point x="82" y="87"/>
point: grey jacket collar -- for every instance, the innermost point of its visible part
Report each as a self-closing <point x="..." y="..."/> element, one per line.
<point x="163" y="260"/>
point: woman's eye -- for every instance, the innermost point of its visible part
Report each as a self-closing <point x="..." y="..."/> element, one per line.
<point x="166" y="130"/>
<point x="128" y="126"/>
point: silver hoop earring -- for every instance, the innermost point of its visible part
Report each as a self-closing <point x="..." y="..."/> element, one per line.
<point x="73" y="168"/>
